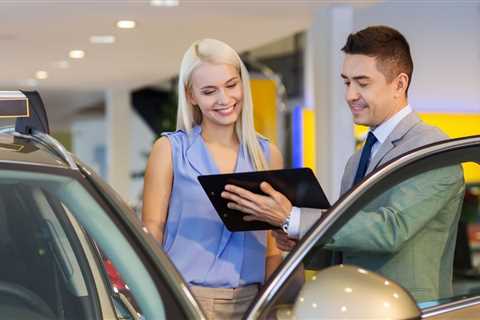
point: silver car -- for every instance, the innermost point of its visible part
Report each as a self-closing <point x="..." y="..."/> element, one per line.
<point x="59" y="224"/>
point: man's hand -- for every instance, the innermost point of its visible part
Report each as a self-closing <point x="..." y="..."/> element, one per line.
<point x="273" y="207"/>
<point x="284" y="243"/>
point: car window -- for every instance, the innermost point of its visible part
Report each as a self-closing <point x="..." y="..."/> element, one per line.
<point x="43" y="273"/>
<point x="47" y="270"/>
<point x="406" y="227"/>
<point x="407" y="233"/>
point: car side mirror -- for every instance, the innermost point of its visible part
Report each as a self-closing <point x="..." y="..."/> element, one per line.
<point x="350" y="292"/>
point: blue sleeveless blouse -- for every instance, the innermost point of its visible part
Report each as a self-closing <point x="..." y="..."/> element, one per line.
<point x="195" y="238"/>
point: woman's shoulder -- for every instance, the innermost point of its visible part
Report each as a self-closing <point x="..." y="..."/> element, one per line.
<point x="178" y="137"/>
<point x="264" y="142"/>
<point x="272" y="152"/>
<point x="177" y="134"/>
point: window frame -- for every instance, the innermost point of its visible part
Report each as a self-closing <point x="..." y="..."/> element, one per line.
<point x="444" y="152"/>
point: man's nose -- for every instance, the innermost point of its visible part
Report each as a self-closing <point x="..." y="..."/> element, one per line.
<point x="351" y="93"/>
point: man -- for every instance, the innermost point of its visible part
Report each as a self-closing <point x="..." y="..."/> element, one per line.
<point x="393" y="235"/>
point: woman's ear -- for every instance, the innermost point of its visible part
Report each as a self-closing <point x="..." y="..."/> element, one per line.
<point x="190" y="98"/>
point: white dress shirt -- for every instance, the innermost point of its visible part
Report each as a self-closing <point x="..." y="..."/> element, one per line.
<point x="380" y="132"/>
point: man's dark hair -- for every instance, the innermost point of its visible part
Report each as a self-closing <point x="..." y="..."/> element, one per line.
<point x="387" y="45"/>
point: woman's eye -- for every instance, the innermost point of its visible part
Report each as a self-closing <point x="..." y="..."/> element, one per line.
<point x="232" y="85"/>
<point x="207" y="93"/>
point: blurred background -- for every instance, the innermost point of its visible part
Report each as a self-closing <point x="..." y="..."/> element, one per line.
<point x="107" y="71"/>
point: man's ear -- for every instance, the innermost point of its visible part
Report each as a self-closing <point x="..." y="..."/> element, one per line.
<point x="401" y="84"/>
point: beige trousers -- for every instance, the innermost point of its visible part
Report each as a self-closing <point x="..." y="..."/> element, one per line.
<point x="225" y="303"/>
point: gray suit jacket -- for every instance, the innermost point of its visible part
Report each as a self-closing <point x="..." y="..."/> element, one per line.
<point x="408" y="233"/>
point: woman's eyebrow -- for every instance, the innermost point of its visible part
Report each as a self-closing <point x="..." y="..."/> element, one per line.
<point x="231" y="79"/>
<point x="208" y="87"/>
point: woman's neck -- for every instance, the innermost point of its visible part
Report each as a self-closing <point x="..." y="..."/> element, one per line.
<point x="223" y="135"/>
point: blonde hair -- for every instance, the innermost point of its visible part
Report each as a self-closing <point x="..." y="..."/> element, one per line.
<point x="215" y="51"/>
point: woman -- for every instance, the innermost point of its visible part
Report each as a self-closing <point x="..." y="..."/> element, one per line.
<point x="215" y="134"/>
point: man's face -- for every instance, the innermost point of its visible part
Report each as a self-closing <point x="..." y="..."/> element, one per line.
<point x="370" y="97"/>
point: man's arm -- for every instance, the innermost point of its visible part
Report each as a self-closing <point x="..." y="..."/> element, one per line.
<point x="308" y="217"/>
<point x="397" y="215"/>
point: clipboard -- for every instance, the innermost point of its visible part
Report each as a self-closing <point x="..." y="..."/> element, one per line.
<point x="299" y="185"/>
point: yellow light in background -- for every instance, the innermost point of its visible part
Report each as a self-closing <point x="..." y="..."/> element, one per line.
<point x="264" y="96"/>
<point x="455" y="125"/>
<point x="309" y="147"/>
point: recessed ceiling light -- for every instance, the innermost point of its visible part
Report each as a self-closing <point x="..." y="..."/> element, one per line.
<point x="102" y="39"/>
<point x="164" y="3"/>
<point x="61" y="64"/>
<point x="76" y="54"/>
<point x="126" y="24"/>
<point x="41" y="75"/>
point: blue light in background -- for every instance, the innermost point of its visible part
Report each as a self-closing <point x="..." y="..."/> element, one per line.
<point x="297" y="141"/>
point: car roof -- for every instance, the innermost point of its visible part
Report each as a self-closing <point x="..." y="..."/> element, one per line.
<point x="27" y="149"/>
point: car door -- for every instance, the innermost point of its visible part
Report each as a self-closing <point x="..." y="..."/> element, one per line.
<point x="398" y="228"/>
<point x="54" y="222"/>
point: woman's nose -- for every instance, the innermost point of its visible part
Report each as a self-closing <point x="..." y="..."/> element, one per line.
<point x="223" y="97"/>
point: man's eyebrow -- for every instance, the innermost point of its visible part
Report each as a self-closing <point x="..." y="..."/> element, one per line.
<point x="362" y="77"/>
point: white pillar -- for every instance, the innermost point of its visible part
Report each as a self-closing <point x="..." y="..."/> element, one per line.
<point x="117" y="117"/>
<point x="324" y="91"/>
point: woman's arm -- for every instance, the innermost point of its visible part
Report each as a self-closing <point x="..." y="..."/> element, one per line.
<point x="276" y="158"/>
<point x="157" y="187"/>
<point x="274" y="255"/>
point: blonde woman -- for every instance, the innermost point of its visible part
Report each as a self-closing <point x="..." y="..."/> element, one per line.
<point x="215" y="134"/>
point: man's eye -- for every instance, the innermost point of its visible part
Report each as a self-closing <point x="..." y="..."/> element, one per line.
<point x="346" y="83"/>
<point x="363" y="85"/>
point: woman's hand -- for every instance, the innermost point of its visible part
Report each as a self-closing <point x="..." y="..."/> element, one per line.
<point x="273" y="207"/>
<point x="284" y="243"/>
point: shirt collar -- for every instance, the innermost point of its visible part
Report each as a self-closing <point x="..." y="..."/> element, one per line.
<point x="385" y="129"/>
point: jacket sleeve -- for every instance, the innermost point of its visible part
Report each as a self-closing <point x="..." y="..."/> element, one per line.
<point x="394" y="217"/>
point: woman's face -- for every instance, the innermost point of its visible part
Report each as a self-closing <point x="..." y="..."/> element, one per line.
<point x="217" y="90"/>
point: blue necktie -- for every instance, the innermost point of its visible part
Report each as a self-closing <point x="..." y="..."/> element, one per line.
<point x="365" y="157"/>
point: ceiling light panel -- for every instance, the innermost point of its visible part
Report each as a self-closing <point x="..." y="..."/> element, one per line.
<point x="41" y="75"/>
<point x="106" y="39"/>
<point x="76" y="54"/>
<point x="126" y="24"/>
<point x="164" y="3"/>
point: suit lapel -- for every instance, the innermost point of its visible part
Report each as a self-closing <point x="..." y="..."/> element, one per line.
<point x="350" y="171"/>
<point x="392" y="140"/>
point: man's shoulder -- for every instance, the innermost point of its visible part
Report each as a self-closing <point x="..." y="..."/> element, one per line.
<point x="423" y="134"/>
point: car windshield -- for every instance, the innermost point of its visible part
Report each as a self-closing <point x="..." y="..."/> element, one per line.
<point x="46" y="271"/>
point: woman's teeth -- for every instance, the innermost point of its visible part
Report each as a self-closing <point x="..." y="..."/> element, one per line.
<point x="225" y="111"/>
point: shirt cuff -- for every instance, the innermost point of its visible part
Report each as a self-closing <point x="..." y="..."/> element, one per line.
<point x="294" y="223"/>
